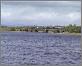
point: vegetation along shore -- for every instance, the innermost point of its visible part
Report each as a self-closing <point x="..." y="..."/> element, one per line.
<point x="70" y="29"/>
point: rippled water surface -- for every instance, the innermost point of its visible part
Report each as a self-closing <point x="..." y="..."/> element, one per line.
<point x="39" y="48"/>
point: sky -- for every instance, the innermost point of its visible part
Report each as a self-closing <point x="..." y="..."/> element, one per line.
<point x="41" y="13"/>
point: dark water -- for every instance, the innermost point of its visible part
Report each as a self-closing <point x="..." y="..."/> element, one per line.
<point x="39" y="48"/>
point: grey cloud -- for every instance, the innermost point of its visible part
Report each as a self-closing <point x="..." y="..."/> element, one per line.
<point x="44" y="6"/>
<point x="20" y="10"/>
<point x="44" y="3"/>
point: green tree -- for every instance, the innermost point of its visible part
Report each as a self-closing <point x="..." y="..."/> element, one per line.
<point x="12" y="29"/>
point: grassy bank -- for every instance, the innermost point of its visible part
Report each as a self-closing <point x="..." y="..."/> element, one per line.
<point x="66" y="33"/>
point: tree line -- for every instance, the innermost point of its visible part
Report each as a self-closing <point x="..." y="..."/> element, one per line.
<point x="70" y="28"/>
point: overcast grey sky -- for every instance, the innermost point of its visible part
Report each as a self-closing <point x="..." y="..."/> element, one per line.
<point x="41" y="13"/>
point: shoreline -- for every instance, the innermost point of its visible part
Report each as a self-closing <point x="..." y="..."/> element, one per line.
<point x="76" y="34"/>
<point x="48" y="33"/>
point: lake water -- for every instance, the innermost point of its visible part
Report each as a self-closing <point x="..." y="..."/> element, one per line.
<point x="39" y="48"/>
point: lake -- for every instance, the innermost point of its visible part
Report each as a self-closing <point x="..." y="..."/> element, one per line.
<point x="39" y="48"/>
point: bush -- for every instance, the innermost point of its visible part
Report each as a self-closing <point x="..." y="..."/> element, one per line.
<point x="12" y="29"/>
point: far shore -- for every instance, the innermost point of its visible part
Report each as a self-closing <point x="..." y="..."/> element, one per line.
<point x="49" y="33"/>
<point x="78" y="34"/>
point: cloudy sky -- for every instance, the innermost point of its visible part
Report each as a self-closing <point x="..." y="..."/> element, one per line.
<point x="41" y="13"/>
